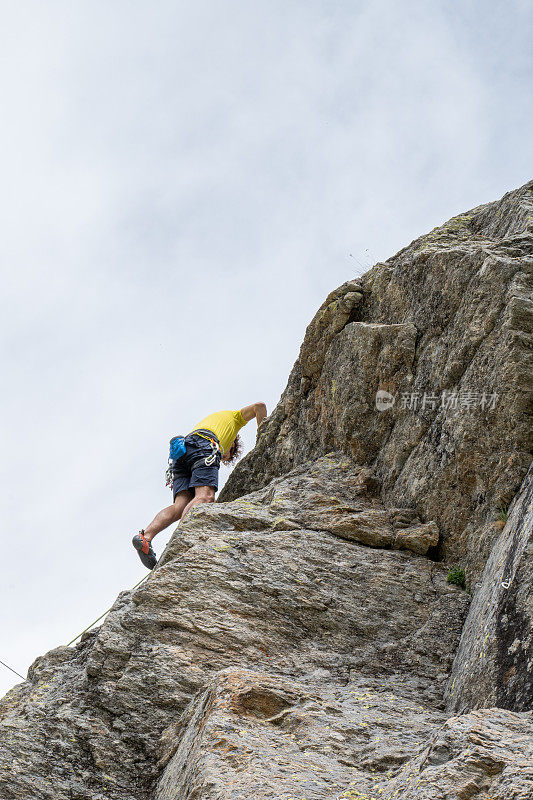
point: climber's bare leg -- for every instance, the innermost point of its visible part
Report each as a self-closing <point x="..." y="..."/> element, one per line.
<point x="202" y="494"/>
<point x="169" y="514"/>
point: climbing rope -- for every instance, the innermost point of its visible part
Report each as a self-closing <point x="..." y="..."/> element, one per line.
<point x="79" y="634"/>
<point x="88" y="628"/>
<point x="12" y="670"/>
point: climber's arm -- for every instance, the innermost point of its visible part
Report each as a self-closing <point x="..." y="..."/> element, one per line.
<point x="257" y="410"/>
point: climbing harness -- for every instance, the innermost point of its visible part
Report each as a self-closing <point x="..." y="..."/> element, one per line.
<point x="178" y="449"/>
<point x="215" y="447"/>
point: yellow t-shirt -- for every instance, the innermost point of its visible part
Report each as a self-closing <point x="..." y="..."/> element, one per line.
<point x="224" y="424"/>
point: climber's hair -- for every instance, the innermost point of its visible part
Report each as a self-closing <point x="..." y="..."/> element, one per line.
<point x="235" y="451"/>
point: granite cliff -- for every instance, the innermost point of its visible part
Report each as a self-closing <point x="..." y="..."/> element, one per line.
<point x="299" y="638"/>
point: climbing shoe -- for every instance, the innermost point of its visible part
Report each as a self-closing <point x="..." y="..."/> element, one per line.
<point x="145" y="550"/>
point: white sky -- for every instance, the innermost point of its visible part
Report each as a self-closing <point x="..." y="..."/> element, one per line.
<point x="182" y="185"/>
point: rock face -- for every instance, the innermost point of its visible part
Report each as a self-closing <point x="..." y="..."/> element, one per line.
<point x="482" y="754"/>
<point x="446" y="328"/>
<point x="252" y="734"/>
<point x="494" y="662"/>
<point x="297" y="640"/>
<point x="255" y="583"/>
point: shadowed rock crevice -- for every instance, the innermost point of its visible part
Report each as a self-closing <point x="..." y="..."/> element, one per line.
<point x="494" y="662"/>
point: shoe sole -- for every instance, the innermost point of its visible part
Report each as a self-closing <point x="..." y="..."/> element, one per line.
<point x="149" y="561"/>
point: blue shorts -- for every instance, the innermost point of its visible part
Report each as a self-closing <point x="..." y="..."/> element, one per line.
<point x="186" y="475"/>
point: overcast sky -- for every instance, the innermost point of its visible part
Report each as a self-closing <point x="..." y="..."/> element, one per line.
<point x="182" y="185"/>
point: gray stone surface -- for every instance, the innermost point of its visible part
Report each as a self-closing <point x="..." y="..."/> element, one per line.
<point x="485" y="754"/>
<point x="242" y="584"/>
<point x="494" y="662"/>
<point x="331" y="494"/>
<point x="254" y="735"/>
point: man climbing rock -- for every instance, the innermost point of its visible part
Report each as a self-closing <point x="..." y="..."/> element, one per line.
<point x="194" y="474"/>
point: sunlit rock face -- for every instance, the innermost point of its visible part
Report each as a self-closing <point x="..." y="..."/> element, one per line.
<point x="300" y="639"/>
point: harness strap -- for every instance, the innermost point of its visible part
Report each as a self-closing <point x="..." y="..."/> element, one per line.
<point x="215" y="444"/>
<point x="203" y="462"/>
<point x="205" y="434"/>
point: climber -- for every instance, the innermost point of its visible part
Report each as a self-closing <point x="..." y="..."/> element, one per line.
<point x="194" y="474"/>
